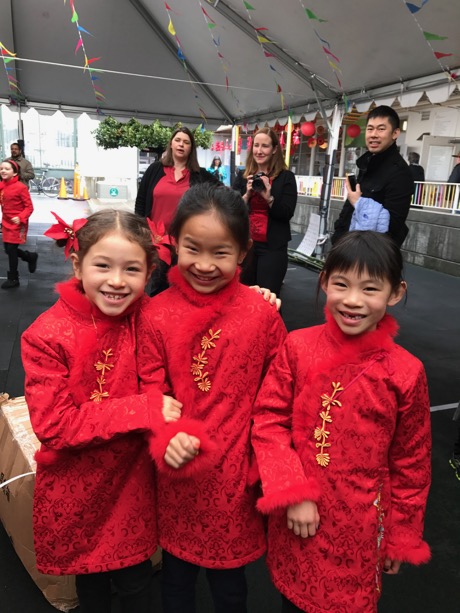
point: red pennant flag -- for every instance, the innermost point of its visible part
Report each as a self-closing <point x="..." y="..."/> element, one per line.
<point x="439" y="55"/>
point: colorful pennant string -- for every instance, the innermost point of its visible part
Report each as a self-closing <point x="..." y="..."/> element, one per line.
<point x="16" y="94"/>
<point x="430" y="36"/>
<point x="182" y="58"/>
<point x="98" y="92"/>
<point x="263" y="40"/>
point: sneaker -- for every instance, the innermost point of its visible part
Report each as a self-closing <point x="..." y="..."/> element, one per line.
<point x="454" y="461"/>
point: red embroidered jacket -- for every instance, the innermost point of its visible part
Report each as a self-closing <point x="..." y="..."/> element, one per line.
<point x="343" y="421"/>
<point x="211" y="352"/>
<point x="94" y="504"/>
<point x="16" y="202"/>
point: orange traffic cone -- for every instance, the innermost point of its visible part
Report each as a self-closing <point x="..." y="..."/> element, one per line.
<point x="63" y="190"/>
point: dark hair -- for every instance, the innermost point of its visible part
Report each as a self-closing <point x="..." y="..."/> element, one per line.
<point x="17" y="145"/>
<point x="374" y="252"/>
<point x="385" y="111"/>
<point x="216" y="157"/>
<point x="134" y="227"/>
<point x="413" y="157"/>
<point x="277" y="162"/>
<point x="15" y="166"/>
<point x="192" y="162"/>
<point x="227" y="203"/>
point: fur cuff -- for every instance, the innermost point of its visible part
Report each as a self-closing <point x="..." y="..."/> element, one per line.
<point x="47" y="457"/>
<point x="281" y="498"/>
<point x="408" y="549"/>
<point x="205" y="459"/>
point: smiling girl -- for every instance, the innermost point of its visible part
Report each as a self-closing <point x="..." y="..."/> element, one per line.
<point x="94" y="502"/>
<point x="16" y="209"/>
<point x="208" y="340"/>
<point x="342" y="438"/>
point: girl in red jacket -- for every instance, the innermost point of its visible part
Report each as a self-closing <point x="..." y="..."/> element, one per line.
<point x="342" y="439"/>
<point x="16" y="209"/>
<point x="208" y="340"/>
<point x="94" y="503"/>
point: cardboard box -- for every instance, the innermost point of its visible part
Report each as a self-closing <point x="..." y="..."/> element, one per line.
<point x="18" y="444"/>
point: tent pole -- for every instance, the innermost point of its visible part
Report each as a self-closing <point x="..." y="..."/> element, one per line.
<point x="287" y="158"/>
<point x="20" y="129"/>
<point x="328" y="178"/>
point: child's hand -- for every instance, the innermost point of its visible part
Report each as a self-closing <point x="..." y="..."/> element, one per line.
<point x="267" y="295"/>
<point x="16" y="221"/>
<point x="303" y="518"/>
<point x="391" y="567"/>
<point x="181" y="449"/>
<point x="171" y="409"/>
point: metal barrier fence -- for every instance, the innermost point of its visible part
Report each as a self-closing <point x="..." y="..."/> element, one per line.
<point x="440" y="197"/>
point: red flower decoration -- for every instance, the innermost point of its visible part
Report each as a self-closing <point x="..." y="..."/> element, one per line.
<point x="161" y="240"/>
<point x="63" y="230"/>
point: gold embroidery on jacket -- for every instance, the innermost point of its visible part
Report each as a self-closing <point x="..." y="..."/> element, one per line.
<point x="321" y="434"/>
<point x="200" y="361"/>
<point x="102" y="368"/>
<point x="380" y="534"/>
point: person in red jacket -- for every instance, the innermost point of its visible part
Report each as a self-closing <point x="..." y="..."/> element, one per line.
<point x="16" y="209"/>
<point x="94" y="502"/>
<point x="208" y="340"/>
<point x="342" y="439"/>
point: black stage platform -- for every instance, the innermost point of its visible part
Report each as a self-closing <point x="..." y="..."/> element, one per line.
<point x="430" y="328"/>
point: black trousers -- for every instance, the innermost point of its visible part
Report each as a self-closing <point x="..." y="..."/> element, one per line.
<point x="133" y="583"/>
<point x="265" y="266"/>
<point x="14" y="253"/>
<point x="228" y="587"/>
<point x="288" y="607"/>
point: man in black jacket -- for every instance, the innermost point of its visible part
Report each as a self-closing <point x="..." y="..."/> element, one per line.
<point x="383" y="176"/>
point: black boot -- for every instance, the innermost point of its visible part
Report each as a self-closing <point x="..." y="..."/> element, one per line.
<point x="31" y="258"/>
<point x="12" y="281"/>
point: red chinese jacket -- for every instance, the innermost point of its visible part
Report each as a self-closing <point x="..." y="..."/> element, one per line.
<point x="211" y="352"/>
<point x="15" y="201"/>
<point x="94" y="503"/>
<point x="343" y="421"/>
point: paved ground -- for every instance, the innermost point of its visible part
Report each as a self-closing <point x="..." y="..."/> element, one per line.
<point x="430" y="328"/>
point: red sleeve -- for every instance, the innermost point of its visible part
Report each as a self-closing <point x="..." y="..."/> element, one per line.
<point x="61" y="424"/>
<point x="283" y="477"/>
<point x="410" y="474"/>
<point x="27" y="202"/>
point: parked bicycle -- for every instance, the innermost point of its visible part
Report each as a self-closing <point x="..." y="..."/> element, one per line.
<point x="42" y="184"/>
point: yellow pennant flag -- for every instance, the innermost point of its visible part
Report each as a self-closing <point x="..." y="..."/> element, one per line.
<point x="171" y="29"/>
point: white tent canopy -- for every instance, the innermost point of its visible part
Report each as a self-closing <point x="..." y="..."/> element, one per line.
<point x="225" y="61"/>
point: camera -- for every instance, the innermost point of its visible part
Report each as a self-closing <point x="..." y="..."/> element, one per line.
<point x="257" y="184"/>
<point x="352" y="181"/>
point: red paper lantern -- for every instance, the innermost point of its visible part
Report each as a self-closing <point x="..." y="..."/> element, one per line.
<point x="308" y="128"/>
<point x="320" y="130"/>
<point x="354" y="130"/>
<point x="296" y="138"/>
<point x="320" y="140"/>
<point x="282" y="140"/>
<point x="311" y="142"/>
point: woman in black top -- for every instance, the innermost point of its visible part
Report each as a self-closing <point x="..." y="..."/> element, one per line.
<point x="270" y="191"/>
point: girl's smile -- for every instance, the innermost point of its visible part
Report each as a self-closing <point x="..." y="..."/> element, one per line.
<point x="208" y="255"/>
<point x="358" y="302"/>
<point x="113" y="273"/>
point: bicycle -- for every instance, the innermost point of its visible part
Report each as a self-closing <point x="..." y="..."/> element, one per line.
<point x="42" y="184"/>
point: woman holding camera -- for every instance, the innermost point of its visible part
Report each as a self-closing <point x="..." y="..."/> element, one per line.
<point x="270" y="191"/>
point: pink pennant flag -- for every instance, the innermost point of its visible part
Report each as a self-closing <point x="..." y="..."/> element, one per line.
<point x="268" y="54"/>
<point x="326" y="50"/>
<point x="79" y="44"/>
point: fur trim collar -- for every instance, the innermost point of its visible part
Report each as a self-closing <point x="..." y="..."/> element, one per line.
<point x="222" y="296"/>
<point x="71" y="292"/>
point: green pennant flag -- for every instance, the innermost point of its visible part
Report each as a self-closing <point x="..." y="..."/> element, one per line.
<point x="248" y="6"/>
<point x="311" y="15"/>
<point x="430" y="36"/>
<point x="211" y="25"/>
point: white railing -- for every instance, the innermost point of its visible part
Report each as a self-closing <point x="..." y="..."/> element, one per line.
<point x="439" y="197"/>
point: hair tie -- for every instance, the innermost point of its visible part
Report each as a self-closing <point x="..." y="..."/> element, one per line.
<point x="63" y="231"/>
<point x="14" y="164"/>
<point x="161" y="241"/>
